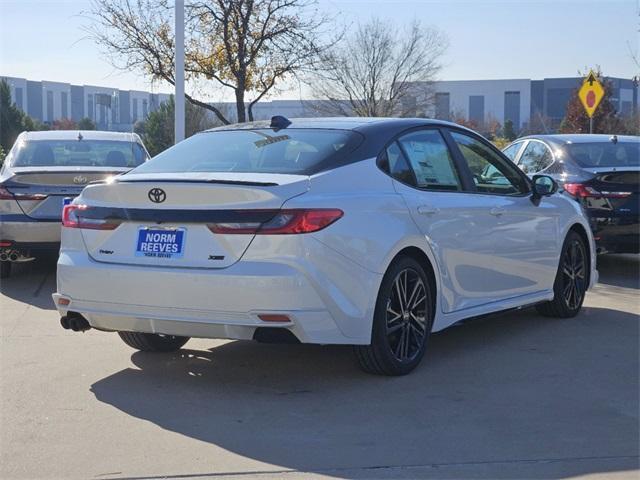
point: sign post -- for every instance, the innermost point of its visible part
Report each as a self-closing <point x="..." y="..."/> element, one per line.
<point x="179" y="74"/>
<point x="591" y="93"/>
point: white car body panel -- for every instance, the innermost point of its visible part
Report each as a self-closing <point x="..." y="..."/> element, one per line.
<point x="327" y="281"/>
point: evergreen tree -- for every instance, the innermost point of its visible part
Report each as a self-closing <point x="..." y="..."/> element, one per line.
<point x="11" y="118"/>
<point x="508" y="131"/>
<point x="86" y="124"/>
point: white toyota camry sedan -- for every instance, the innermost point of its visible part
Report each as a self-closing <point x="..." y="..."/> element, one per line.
<point x="367" y="232"/>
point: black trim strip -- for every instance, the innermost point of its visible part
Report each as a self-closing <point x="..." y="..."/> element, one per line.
<point x="249" y="183"/>
<point x="177" y="216"/>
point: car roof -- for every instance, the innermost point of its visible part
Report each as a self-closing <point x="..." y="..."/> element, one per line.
<point x="86" y="135"/>
<point x="571" y="138"/>
<point x="361" y="124"/>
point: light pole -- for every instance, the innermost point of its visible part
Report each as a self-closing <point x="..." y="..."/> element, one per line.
<point x="179" y="74"/>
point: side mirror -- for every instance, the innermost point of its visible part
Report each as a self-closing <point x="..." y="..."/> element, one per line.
<point x="543" y="186"/>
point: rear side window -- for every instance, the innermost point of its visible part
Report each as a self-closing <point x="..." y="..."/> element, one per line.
<point x="295" y="151"/>
<point x="491" y="173"/>
<point x="78" y="153"/>
<point x="431" y="160"/>
<point x="536" y="157"/>
<point x="512" y="151"/>
<point x="395" y="164"/>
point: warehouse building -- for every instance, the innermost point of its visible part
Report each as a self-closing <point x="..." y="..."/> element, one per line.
<point x="520" y="100"/>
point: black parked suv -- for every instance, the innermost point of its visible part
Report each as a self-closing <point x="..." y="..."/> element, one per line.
<point x="602" y="172"/>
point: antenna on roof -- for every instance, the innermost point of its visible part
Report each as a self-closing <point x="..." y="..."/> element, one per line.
<point x="278" y="122"/>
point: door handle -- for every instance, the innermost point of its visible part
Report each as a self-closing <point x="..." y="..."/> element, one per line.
<point x="427" y="210"/>
<point x="497" y="211"/>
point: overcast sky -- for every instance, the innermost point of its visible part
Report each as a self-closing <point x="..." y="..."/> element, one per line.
<point x="44" y="40"/>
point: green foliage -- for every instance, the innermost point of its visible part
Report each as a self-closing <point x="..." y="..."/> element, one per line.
<point x="86" y="124"/>
<point x="604" y="118"/>
<point x="508" y="131"/>
<point x="12" y="119"/>
<point x="501" y="142"/>
<point x="2" y="155"/>
<point x="157" y="131"/>
<point x="34" y="125"/>
<point x="64" y="124"/>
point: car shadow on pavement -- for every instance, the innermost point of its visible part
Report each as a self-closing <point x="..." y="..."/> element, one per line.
<point x="511" y="388"/>
<point x="32" y="282"/>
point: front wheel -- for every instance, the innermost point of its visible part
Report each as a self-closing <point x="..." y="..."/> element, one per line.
<point x="153" y="342"/>
<point x="402" y="321"/>
<point x="571" y="281"/>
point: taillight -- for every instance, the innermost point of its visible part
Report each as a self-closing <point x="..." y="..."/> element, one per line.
<point x="72" y="218"/>
<point x="581" y="190"/>
<point x="7" y="195"/>
<point x="284" y="222"/>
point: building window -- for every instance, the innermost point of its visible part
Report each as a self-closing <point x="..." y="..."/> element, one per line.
<point x="145" y="108"/>
<point x="443" y="106"/>
<point x="114" y="108"/>
<point x="512" y="108"/>
<point x="135" y="110"/>
<point x="64" y="109"/>
<point x="90" y="107"/>
<point x="49" y="105"/>
<point x="476" y="109"/>
<point x="18" y="93"/>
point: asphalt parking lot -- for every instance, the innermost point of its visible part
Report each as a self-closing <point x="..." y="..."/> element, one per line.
<point x="510" y="396"/>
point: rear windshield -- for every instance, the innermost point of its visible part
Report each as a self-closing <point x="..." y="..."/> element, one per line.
<point x="78" y="153"/>
<point x="296" y="151"/>
<point x="606" y="154"/>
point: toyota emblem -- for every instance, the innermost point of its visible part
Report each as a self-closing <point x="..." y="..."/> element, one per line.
<point x="157" y="195"/>
<point x="79" y="179"/>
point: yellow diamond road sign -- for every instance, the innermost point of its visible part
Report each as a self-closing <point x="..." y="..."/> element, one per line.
<point x="591" y="93"/>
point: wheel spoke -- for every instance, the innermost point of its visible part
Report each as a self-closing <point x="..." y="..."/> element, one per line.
<point x="394" y="328"/>
<point x="418" y="334"/>
<point x="399" y="352"/>
<point x="419" y="321"/>
<point x="407" y="339"/>
<point x="416" y="287"/>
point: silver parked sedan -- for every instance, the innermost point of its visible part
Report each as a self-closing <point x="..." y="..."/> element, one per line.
<point x="44" y="170"/>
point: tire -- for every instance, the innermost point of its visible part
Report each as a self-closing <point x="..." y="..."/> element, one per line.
<point x="399" y="339"/>
<point x="151" y="342"/>
<point x="571" y="281"/>
<point x="5" y="269"/>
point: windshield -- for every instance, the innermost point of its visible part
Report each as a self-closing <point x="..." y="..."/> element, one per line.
<point x="605" y="154"/>
<point x="78" y="153"/>
<point x="296" y="151"/>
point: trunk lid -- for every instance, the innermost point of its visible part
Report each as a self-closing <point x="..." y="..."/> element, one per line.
<point x="164" y="217"/>
<point x="55" y="184"/>
<point x="620" y="188"/>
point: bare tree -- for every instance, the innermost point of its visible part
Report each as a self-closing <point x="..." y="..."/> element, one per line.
<point x="379" y="70"/>
<point x="244" y="46"/>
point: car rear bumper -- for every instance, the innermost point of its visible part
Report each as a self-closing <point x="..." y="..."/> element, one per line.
<point x="28" y="231"/>
<point x="616" y="234"/>
<point x="217" y="303"/>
